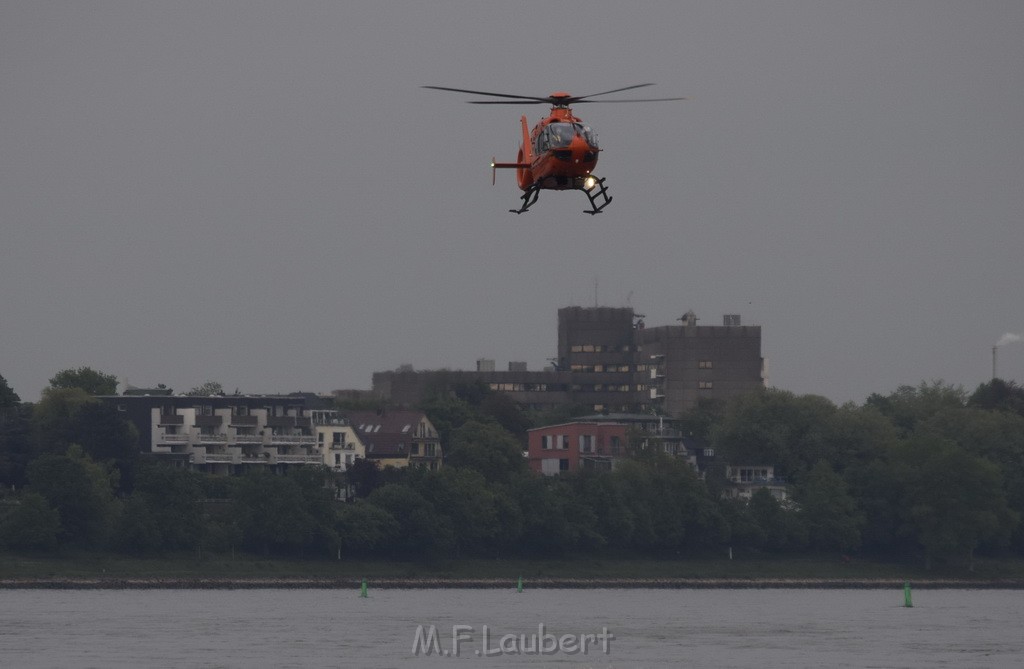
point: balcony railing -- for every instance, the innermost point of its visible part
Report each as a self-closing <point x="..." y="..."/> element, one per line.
<point x="305" y="459"/>
<point x="252" y="439"/>
<point x="299" y="439"/>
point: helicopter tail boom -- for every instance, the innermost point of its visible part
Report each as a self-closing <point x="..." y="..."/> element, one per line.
<point x="495" y="166"/>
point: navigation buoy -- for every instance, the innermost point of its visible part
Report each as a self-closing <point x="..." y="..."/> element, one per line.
<point x="906" y="595"/>
<point x="519" y="586"/>
<point x="362" y="590"/>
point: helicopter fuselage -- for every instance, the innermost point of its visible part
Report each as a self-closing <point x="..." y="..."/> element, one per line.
<point x="564" y="151"/>
<point x="559" y="153"/>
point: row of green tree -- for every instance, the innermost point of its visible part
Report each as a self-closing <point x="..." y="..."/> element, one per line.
<point x="926" y="471"/>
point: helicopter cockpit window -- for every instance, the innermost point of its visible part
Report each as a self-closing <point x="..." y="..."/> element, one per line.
<point x="587" y="134"/>
<point x="559" y="134"/>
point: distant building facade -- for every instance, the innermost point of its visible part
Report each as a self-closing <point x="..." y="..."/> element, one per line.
<point x="601" y="441"/>
<point x="566" y="448"/>
<point x="398" y="438"/>
<point x="690" y="362"/>
<point x="744" y="481"/>
<point x="232" y="434"/>
<point x="608" y="361"/>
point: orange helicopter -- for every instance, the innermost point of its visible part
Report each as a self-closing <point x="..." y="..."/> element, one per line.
<point x="561" y="151"/>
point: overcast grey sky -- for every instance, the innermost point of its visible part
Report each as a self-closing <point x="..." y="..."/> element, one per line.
<point x="261" y="194"/>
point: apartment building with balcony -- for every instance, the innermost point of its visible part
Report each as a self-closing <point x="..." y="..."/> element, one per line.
<point x="600" y="441"/>
<point x="336" y="440"/>
<point x="744" y="480"/>
<point x="568" y="447"/>
<point x="231" y="434"/>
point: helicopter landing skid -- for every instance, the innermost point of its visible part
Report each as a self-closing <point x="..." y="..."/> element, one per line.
<point x="597" y="194"/>
<point x="529" y="198"/>
<point x="598" y="190"/>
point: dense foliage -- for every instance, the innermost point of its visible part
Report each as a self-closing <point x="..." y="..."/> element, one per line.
<point x="926" y="472"/>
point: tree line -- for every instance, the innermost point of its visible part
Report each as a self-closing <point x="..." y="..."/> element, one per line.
<point x="927" y="472"/>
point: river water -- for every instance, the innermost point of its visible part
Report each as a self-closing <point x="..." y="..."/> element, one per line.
<point x="502" y="628"/>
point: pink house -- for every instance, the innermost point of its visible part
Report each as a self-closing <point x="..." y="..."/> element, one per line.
<point x="568" y="447"/>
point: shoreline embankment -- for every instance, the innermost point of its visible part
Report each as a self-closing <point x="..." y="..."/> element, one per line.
<point x="286" y="583"/>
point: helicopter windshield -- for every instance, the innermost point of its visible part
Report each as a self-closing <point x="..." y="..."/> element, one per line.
<point x="587" y="134"/>
<point x="560" y="135"/>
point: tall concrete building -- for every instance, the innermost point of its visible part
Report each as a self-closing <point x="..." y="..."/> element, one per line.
<point x="599" y="348"/>
<point x="608" y="361"/>
<point x="690" y="362"/>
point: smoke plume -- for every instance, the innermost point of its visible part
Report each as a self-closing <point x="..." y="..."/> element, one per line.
<point x="1008" y="338"/>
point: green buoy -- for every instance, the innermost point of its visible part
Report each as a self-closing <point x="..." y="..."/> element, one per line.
<point x="362" y="590"/>
<point x="906" y="595"/>
<point x="519" y="586"/>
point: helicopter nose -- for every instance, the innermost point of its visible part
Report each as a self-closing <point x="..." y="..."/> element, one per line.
<point x="581" y="151"/>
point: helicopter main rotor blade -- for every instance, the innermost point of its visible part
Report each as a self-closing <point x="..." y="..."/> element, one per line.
<point x="580" y="102"/>
<point x="577" y="98"/>
<point x="533" y="100"/>
<point x="557" y="101"/>
<point x="508" y="102"/>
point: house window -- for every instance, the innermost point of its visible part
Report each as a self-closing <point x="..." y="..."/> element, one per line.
<point x="586" y="443"/>
<point x="337" y="459"/>
<point x="545" y="442"/>
<point x="563" y="442"/>
<point x="704" y="364"/>
<point x="563" y="465"/>
<point x="338" y="439"/>
<point x="705" y="385"/>
<point x="615" y="445"/>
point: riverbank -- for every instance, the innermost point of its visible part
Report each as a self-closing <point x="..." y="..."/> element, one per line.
<point x="90" y="570"/>
<point x="114" y="583"/>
